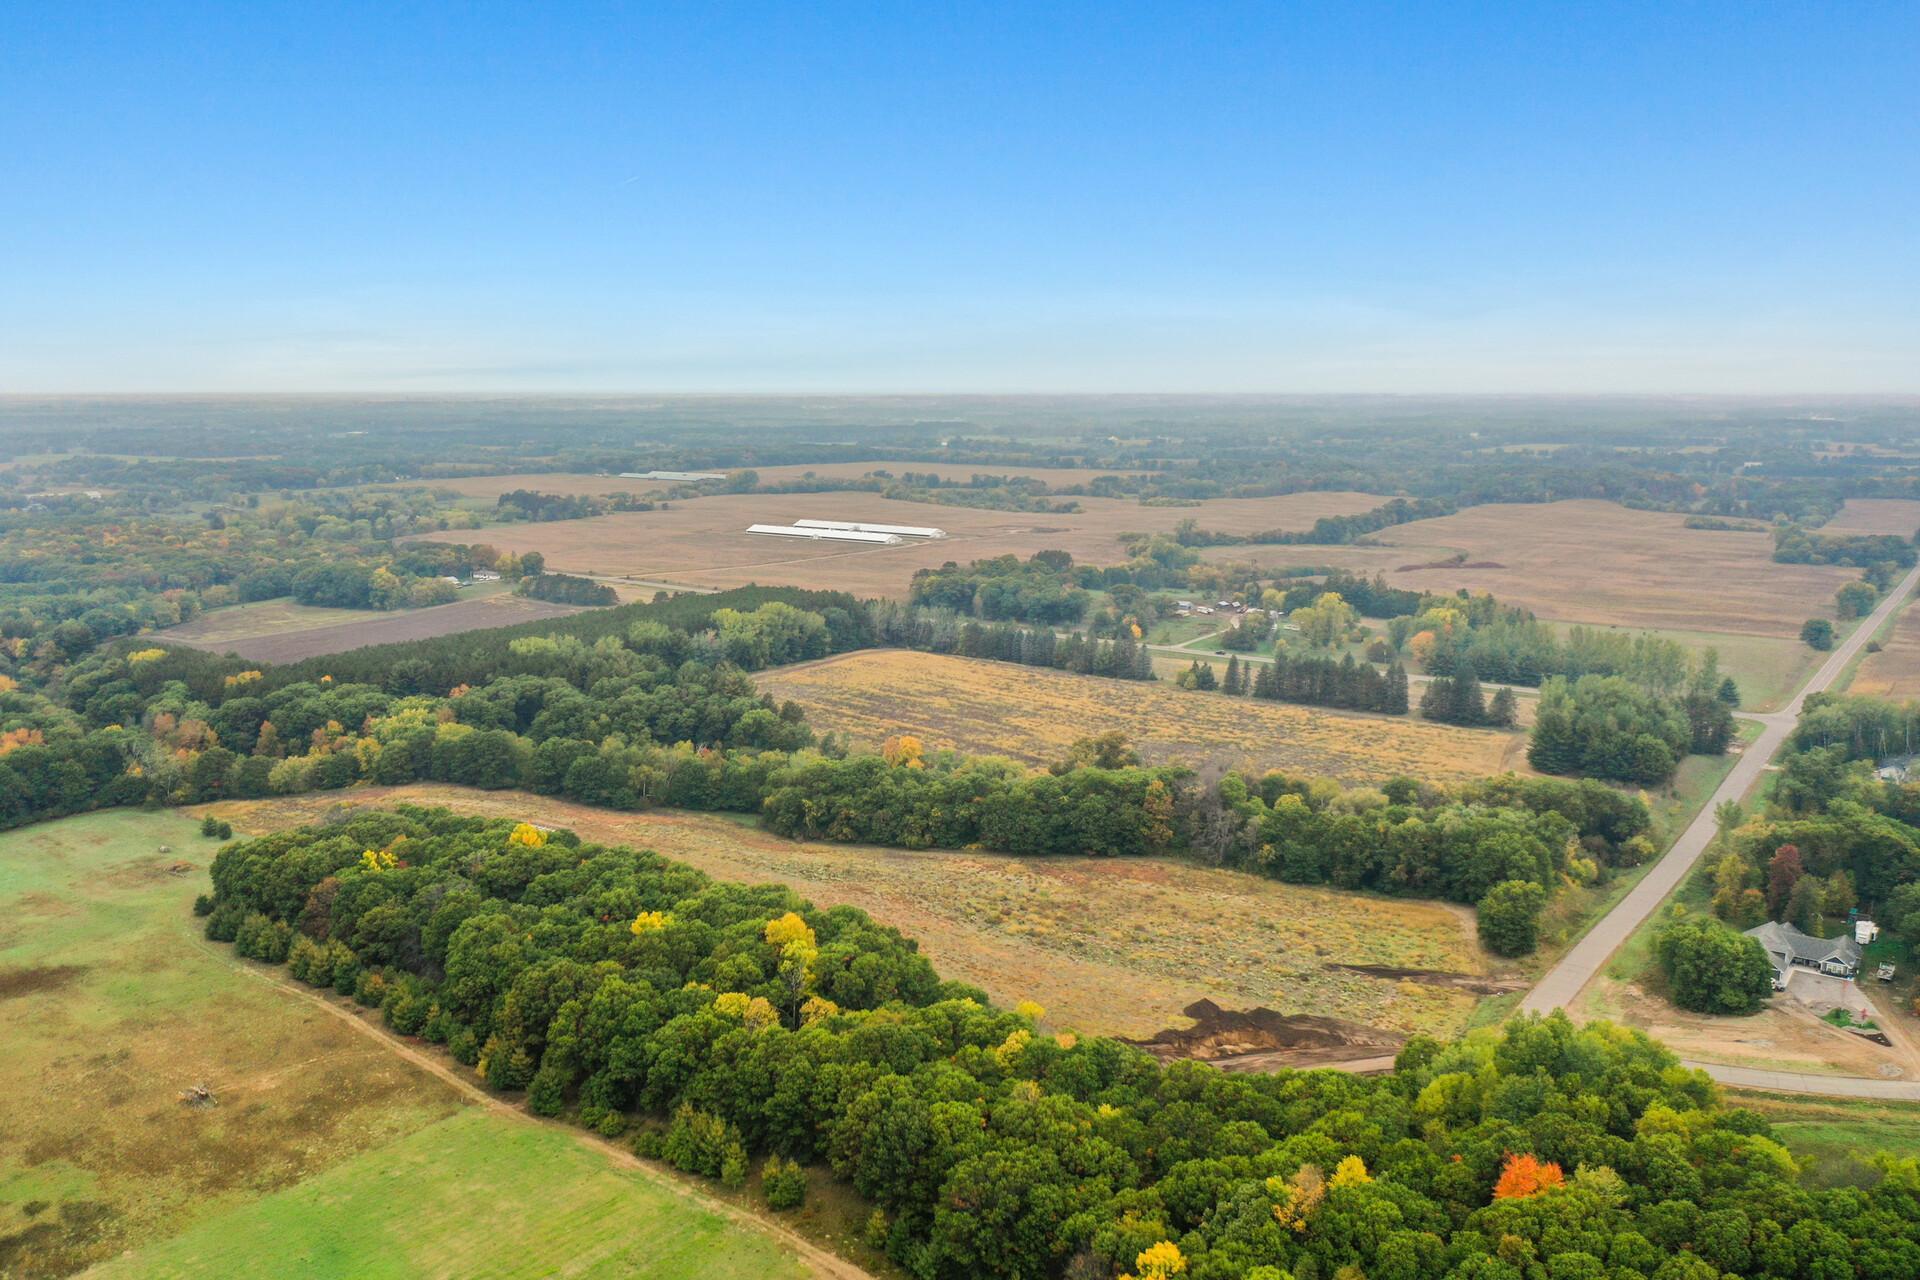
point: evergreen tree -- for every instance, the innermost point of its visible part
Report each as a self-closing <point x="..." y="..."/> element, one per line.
<point x="1232" y="684"/>
<point x="1203" y="677"/>
<point x="1395" y="701"/>
<point x="1502" y="712"/>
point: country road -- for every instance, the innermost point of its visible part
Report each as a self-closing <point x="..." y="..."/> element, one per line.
<point x="1566" y="979"/>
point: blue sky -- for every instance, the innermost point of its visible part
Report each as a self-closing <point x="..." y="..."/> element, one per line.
<point x="1662" y="197"/>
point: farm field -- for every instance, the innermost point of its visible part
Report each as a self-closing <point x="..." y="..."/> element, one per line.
<point x="281" y="631"/>
<point x="1900" y="516"/>
<point x="483" y="1196"/>
<point x="111" y="1004"/>
<point x="1034" y="714"/>
<point x="1108" y="946"/>
<point x="574" y="483"/>
<point x="1590" y="561"/>
<point x="1894" y="672"/>
<point x="704" y="542"/>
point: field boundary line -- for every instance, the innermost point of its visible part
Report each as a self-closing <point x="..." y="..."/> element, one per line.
<point x="824" y="1261"/>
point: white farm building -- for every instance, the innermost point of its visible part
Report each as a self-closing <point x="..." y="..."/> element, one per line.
<point x="855" y="526"/>
<point x="688" y="476"/>
<point x="828" y="535"/>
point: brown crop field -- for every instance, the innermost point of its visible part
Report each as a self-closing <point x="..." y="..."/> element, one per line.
<point x="1899" y="516"/>
<point x="704" y="542"/>
<point x="1113" y="946"/>
<point x="1590" y="561"/>
<point x="279" y="631"/>
<point x="1034" y="714"/>
<point x="1894" y="672"/>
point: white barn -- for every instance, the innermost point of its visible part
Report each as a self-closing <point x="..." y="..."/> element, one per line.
<point x="828" y="535"/>
<point x="856" y="526"/>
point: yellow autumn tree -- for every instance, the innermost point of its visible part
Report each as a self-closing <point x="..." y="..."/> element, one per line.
<point x="798" y="948"/>
<point x="1158" y="1262"/>
<point x="1298" y="1198"/>
<point x="903" y="751"/>
<point x="378" y="860"/>
<point x="1031" y="1010"/>
<point x="139" y="656"/>
<point x="650" y="922"/>
<point x="1350" y="1172"/>
<point x="528" y="834"/>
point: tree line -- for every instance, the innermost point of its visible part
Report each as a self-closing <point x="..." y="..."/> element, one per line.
<point x="711" y="1023"/>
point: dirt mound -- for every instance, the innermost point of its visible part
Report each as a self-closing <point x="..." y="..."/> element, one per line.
<point x="1436" y="978"/>
<point x="1254" y="1039"/>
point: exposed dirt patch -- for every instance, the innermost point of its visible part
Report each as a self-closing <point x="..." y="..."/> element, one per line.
<point x="1263" y="1039"/>
<point x="1437" y="978"/>
<point x="15" y="983"/>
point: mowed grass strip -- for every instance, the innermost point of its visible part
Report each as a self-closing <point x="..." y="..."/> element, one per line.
<point x="477" y="1194"/>
<point x="1110" y="946"/>
<point x="1034" y="714"/>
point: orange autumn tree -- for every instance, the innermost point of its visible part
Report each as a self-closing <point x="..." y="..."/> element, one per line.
<point x="1524" y="1175"/>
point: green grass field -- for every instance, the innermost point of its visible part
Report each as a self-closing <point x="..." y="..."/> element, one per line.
<point x="1767" y="668"/>
<point x="473" y="1195"/>
<point x="1829" y="1136"/>
<point x="326" y="1154"/>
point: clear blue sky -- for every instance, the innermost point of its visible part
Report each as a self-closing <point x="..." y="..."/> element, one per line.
<point x="1658" y="197"/>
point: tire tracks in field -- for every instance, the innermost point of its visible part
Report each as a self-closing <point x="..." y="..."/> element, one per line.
<point x="824" y="1262"/>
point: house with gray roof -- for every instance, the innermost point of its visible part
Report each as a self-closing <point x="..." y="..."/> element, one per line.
<point x="1787" y="946"/>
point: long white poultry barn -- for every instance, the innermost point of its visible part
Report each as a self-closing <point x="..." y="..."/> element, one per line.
<point x="904" y="530"/>
<point x="830" y="535"/>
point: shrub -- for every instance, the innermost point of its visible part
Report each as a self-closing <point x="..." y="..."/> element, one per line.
<point x="784" y="1183"/>
<point x="1510" y="917"/>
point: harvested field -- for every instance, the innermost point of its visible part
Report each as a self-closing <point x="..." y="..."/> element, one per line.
<point x="1899" y="516"/>
<point x="1894" y="672"/>
<point x="705" y="543"/>
<point x="280" y="631"/>
<point x="1108" y="946"/>
<point x="1035" y="713"/>
<point x="1590" y="561"/>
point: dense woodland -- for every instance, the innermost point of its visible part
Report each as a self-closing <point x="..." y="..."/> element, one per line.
<point x="715" y="1023"/>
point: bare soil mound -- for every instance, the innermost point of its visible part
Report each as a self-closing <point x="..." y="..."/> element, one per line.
<point x="1263" y="1039"/>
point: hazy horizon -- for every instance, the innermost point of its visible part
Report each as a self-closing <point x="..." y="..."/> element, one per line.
<point x="845" y="201"/>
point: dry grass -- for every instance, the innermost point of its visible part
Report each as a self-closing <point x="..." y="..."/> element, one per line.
<point x="1899" y="516"/>
<point x="120" y="1008"/>
<point x="1590" y="561"/>
<point x="704" y="542"/>
<point x="1034" y="714"/>
<point x="1108" y="946"/>
<point x="491" y="487"/>
<point x="1894" y="672"/>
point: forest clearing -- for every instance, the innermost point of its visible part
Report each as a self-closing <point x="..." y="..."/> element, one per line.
<point x="1034" y="714"/>
<point x="1107" y="946"/>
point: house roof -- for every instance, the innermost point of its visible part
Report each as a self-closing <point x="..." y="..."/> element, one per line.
<point x="1788" y="945"/>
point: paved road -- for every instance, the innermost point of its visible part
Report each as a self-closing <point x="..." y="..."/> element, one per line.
<point x="1800" y="1082"/>
<point x="1564" y="981"/>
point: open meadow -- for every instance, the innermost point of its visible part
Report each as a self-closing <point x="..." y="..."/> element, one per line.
<point x="583" y="485"/>
<point x="111" y="1004"/>
<point x="1035" y="713"/>
<point x="1108" y="946"/>
<point x="703" y="542"/>
<point x="281" y="631"/>
<point x="1898" y="516"/>
<point x="1590" y="561"/>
